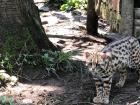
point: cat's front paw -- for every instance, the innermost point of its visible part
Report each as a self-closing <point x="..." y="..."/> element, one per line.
<point x="119" y="85"/>
<point x="104" y="100"/>
<point x="97" y="100"/>
<point x="139" y="81"/>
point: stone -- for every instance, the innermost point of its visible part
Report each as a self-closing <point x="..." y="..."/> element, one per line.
<point x="44" y="8"/>
<point x="27" y="101"/>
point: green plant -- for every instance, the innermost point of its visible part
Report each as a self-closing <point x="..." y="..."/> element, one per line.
<point x="14" y="44"/>
<point x="71" y="4"/>
<point x="53" y="61"/>
<point x="56" y="60"/>
<point x="16" y="47"/>
<point x="5" y="100"/>
<point x="20" y="51"/>
<point x="6" y="62"/>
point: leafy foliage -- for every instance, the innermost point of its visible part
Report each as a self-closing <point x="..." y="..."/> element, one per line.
<point x="13" y="47"/>
<point x="20" y="51"/>
<point x="57" y="61"/>
<point x="4" y="100"/>
<point x="72" y="4"/>
<point x="5" y="62"/>
<point x="16" y="43"/>
<point x="53" y="62"/>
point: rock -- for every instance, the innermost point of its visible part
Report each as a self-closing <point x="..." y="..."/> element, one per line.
<point x="82" y="27"/>
<point x="39" y="5"/>
<point x="52" y="20"/>
<point x="7" y="79"/>
<point x="44" y="9"/>
<point x="61" y="16"/>
<point x="14" y="80"/>
<point x="61" y="41"/>
<point x="4" y="77"/>
<point x="2" y="71"/>
<point x="76" y="12"/>
<point x="44" y="22"/>
<point x="27" y="101"/>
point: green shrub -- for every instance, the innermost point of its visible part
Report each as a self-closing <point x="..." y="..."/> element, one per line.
<point x="52" y="62"/>
<point x="6" y="100"/>
<point x="15" y="44"/>
<point x="73" y="4"/>
<point x="13" y="47"/>
<point x="20" y="51"/>
<point x="57" y="61"/>
<point x="6" y="62"/>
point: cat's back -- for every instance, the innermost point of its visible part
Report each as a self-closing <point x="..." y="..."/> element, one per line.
<point x="120" y="45"/>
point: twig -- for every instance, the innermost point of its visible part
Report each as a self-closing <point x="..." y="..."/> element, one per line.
<point x="134" y="103"/>
<point x="25" y="78"/>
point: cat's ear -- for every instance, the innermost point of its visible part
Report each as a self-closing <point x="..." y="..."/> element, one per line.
<point x="86" y="54"/>
<point x="105" y="55"/>
<point x="109" y="54"/>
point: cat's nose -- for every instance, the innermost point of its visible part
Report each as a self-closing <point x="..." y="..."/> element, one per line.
<point x="86" y="64"/>
<point x="90" y="69"/>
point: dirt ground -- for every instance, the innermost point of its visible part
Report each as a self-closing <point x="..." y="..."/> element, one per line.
<point x="76" y="88"/>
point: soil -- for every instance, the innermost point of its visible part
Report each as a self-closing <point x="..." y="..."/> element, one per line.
<point x="76" y="88"/>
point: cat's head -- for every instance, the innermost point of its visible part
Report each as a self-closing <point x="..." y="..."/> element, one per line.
<point x="96" y="59"/>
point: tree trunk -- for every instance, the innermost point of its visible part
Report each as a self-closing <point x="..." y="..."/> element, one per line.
<point x="92" y="18"/>
<point x="16" y="15"/>
<point x="126" y="25"/>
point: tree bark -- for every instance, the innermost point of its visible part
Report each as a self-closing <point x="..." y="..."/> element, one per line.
<point x="92" y="18"/>
<point x="126" y="25"/>
<point x="16" y="15"/>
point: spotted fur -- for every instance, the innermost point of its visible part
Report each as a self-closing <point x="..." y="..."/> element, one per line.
<point x="115" y="57"/>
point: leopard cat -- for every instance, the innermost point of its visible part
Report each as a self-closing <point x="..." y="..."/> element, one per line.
<point x="115" y="57"/>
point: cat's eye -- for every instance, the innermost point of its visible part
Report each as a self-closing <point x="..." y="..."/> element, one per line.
<point x="97" y="64"/>
<point x="90" y="64"/>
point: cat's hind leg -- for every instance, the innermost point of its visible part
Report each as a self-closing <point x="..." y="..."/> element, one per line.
<point x="123" y="76"/>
